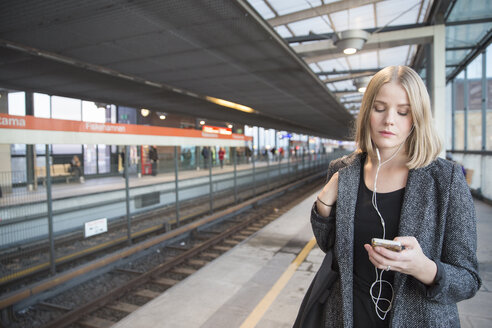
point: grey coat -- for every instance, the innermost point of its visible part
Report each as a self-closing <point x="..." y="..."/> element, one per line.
<point x="438" y="211"/>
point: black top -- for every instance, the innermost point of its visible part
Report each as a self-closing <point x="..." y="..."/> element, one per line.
<point x="367" y="225"/>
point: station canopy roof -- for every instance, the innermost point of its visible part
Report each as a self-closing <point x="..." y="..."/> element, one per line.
<point x="276" y="57"/>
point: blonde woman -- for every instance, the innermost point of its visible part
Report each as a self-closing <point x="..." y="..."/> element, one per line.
<point x="395" y="188"/>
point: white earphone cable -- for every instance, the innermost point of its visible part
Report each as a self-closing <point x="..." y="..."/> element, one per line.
<point x="379" y="276"/>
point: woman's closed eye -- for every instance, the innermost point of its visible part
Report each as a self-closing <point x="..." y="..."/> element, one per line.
<point x="403" y="111"/>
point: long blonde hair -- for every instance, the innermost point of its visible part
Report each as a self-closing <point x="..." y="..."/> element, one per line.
<point x="423" y="145"/>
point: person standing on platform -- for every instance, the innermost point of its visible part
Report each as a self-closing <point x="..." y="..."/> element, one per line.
<point x="205" y="154"/>
<point x="274" y="153"/>
<point x="76" y="168"/>
<point x="221" y="157"/>
<point x="394" y="187"/>
<point x="154" y="158"/>
<point x="247" y="154"/>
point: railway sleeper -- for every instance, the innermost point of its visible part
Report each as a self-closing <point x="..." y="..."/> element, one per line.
<point x="183" y="270"/>
<point x="221" y="248"/>
<point x="231" y="242"/>
<point x="147" y="293"/>
<point x="166" y="282"/>
<point x="95" y="322"/>
<point x="199" y="263"/>
<point x="122" y="307"/>
<point x="212" y="255"/>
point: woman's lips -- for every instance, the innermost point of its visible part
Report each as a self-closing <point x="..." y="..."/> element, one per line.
<point x="386" y="133"/>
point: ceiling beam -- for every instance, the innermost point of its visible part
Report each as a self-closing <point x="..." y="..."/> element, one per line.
<point x="346" y="77"/>
<point x="328" y="36"/>
<point x="318" y="11"/>
<point x="345" y="92"/>
<point x="325" y="50"/>
<point x="335" y="72"/>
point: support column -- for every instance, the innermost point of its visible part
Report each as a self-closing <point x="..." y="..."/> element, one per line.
<point x="439" y="82"/>
<point x="30" y="151"/>
<point x="453" y="114"/>
<point x="484" y="100"/>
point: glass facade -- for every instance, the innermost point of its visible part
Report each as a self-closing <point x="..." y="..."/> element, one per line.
<point x="472" y="104"/>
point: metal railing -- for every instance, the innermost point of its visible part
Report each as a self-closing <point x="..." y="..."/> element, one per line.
<point x="50" y="212"/>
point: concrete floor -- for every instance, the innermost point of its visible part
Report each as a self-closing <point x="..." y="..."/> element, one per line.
<point x="224" y="293"/>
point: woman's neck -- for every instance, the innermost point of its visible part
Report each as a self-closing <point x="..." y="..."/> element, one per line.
<point x="389" y="158"/>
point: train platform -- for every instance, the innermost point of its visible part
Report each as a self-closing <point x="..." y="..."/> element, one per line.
<point x="261" y="282"/>
<point x="102" y="184"/>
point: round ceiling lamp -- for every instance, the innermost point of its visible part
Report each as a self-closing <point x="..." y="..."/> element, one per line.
<point x="351" y="41"/>
<point x="145" y="112"/>
<point x="361" y="83"/>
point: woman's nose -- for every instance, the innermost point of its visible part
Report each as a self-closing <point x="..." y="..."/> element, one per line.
<point x="389" y="118"/>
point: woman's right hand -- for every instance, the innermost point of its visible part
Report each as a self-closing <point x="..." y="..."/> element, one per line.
<point x="328" y="196"/>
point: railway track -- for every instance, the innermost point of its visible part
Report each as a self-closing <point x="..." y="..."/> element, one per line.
<point x="33" y="260"/>
<point x="134" y="283"/>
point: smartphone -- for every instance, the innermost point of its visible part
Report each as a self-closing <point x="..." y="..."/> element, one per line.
<point x="386" y="243"/>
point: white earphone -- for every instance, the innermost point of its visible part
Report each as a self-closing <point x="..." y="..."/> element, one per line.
<point x="379" y="276"/>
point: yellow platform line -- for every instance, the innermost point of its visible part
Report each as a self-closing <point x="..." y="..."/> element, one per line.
<point x="258" y="312"/>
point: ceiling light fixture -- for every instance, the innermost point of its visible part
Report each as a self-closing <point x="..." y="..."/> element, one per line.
<point x="350" y="41"/>
<point x="145" y="112"/>
<point x="361" y="83"/>
<point x="202" y="122"/>
<point x="230" y="104"/>
<point x="161" y="115"/>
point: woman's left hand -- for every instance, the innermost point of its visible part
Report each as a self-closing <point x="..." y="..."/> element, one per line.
<point x="411" y="260"/>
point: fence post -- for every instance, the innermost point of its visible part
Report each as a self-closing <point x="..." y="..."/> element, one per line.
<point x="127" y="197"/>
<point x="235" y="174"/>
<point x="211" y="193"/>
<point x="50" y="211"/>
<point x="288" y="164"/>
<point x="254" y="174"/>
<point x="176" y="184"/>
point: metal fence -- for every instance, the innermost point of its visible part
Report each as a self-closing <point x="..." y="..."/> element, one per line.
<point x="34" y="224"/>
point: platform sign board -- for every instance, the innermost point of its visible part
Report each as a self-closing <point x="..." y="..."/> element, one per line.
<point x="29" y="129"/>
<point x="96" y="227"/>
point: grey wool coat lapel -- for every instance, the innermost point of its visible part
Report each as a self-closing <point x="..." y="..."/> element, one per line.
<point x="348" y="185"/>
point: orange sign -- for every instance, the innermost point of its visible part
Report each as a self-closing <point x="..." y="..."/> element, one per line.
<point x="44" y="124"/>
<point x="217" y="129"/>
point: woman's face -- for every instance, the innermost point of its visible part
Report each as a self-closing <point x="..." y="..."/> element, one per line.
<point x="391" y="119"/>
